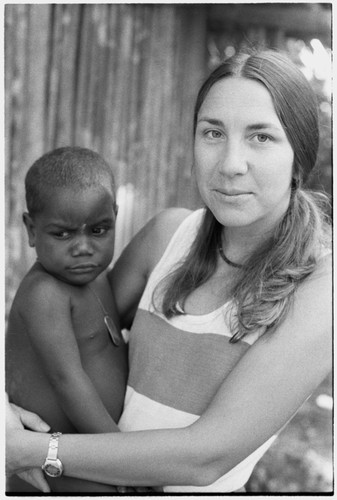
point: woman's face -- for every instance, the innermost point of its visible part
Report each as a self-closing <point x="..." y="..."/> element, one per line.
<point x="243" y="159"/>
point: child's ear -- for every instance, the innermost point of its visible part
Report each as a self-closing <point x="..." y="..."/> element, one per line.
<point x="30" y="226"/>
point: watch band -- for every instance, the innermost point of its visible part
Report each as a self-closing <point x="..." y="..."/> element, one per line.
<point x="53" y="445"/>
<point x="53" y="466"/>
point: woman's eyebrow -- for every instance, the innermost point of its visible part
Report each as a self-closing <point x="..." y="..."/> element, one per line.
<point x="254" y="126"/>
<point x="212" y="121"/>
<point x="263" y="126"/>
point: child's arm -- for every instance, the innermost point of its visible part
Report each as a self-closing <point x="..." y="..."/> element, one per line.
<point x="48" y="320"/>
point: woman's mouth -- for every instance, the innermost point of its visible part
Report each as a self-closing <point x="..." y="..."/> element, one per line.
<point x="232" y="195"/>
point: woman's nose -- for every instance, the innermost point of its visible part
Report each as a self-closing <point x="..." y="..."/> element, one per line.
<point x="233" y="160"/>
<point x="82" y="246"/>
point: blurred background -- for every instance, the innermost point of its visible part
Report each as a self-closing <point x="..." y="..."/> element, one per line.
<point x="122" y="79"/>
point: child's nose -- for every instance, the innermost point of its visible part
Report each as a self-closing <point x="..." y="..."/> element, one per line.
<point x="82" y="246"/>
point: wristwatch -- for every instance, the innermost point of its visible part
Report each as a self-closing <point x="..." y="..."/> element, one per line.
<point x="53" y="466"/>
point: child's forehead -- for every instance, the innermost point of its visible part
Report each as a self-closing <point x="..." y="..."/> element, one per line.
<point x="77" y="191"/>
<point x="79" y="204"/>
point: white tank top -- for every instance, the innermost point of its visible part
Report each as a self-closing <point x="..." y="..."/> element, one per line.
<point x="177" y="365"/>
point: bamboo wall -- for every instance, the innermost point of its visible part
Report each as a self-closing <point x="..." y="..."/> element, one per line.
<point x="120" y="79"/>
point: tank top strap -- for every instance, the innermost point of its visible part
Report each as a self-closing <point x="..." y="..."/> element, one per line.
<point x="176" y="250"/>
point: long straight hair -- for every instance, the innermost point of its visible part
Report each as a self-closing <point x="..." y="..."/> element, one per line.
<point x="264" y="287"/>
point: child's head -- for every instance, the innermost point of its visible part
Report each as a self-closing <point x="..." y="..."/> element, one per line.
<point x="68" y="167"/>
<point x="70" y="196"/>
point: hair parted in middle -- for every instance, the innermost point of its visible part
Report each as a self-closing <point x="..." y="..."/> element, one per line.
<point x="294" y="100"/>
<point x="264" y="287"/>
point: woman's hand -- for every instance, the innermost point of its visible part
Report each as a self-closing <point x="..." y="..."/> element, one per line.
<point x="16" y="420"/>
<point x="19" y="418"/>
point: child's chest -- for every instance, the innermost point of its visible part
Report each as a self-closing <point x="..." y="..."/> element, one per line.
<point x="94" y="316"/>
<point x="104" y="354"/>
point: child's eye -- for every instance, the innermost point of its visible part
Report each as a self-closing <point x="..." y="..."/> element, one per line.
<point x="99" y="231"/>
<point x="62" y="235"/>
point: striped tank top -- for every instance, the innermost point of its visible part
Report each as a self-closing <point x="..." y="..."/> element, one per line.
<point x="178" y="364"/>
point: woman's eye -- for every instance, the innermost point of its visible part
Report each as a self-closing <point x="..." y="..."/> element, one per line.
<point x="262" y="138"/>
<point x="213" y="134"/>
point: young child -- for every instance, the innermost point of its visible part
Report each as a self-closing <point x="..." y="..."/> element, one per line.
<point x="65" y="357"/>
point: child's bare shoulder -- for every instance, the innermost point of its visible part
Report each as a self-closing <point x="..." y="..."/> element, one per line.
<point x="40" y="289"/>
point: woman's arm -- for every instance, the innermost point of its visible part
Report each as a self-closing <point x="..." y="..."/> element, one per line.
<point x="266" y="387"/>
<point x="129" y="275"/>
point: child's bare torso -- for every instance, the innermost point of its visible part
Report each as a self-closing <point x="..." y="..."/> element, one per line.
<point x="27" y="383"/>
<point x="105" y="364"/>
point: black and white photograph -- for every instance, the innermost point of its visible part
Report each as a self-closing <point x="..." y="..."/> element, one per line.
<point x="168" y="268"/>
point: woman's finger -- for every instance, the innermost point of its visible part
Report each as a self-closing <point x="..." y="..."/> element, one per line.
<point x="30" y="420"/>
<point x="36" y="478"/>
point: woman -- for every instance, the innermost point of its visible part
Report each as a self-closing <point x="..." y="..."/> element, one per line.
<point x="230" y="306"/>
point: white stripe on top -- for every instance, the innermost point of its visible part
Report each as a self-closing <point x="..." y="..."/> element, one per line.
<point x="177" y="365"/>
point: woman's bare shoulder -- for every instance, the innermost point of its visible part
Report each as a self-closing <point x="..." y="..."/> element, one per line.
<point x="165" y="224"/>
<point x="130" y="273"/>
<point x="150" y="243"/>
<point x="310" y="316"/>
<point x="319" y="282"/>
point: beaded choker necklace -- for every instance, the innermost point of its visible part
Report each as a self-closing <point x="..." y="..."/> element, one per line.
<point x="229" y="262"/>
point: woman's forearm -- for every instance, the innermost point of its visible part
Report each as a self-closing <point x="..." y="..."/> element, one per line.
<point x="120" y="458"/>
<point x="142" y="458"/>
<point x="133" y="458"/>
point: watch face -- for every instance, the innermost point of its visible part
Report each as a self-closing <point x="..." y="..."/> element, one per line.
<point x="53" y="470"/>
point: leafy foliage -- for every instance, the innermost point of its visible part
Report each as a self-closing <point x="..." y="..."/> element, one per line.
<point x="300" y="460"/>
